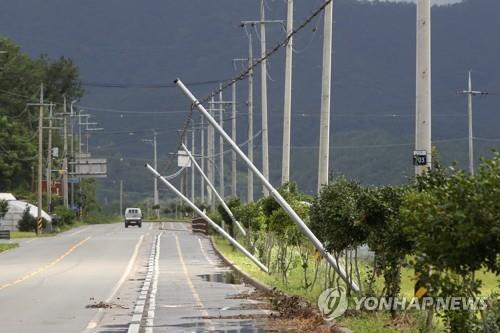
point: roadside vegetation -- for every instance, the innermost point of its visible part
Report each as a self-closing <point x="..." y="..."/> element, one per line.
<point x="7" y="246"/>
<point x="438" y="236"/>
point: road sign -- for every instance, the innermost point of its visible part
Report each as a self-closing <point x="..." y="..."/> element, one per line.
<point x="183" y="160"/>
<point x="419" y="157"/>
<point x="73" y="180"/>
<point x="90" y="168"/>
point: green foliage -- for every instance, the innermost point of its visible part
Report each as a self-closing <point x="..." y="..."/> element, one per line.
<point x="20" y="78"/>
<point x="233" y="204"/>
<point x="335" y="216"/>
<point x="64" y="216"/>
<point x="28" y="222"/>
<point x="4" y="208"/>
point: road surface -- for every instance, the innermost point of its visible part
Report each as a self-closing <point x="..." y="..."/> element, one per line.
<point x="105" y="278"/>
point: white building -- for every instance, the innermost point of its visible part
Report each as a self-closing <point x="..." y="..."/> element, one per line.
<point x="15" y="212"/>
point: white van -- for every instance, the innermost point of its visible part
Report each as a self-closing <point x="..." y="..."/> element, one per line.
<point x="133" y="216"/>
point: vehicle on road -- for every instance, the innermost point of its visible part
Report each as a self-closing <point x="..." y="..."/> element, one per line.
<point x="133" y="216"/>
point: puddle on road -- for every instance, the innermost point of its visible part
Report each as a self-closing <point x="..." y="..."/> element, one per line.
<point x="228" y="277"/>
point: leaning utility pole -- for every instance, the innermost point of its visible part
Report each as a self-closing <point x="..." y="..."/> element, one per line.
<point x="40" y="163"/>
<point x="250" y="118"/>
<point x="287" y="106"/>
<point x="49" y="163"/>
<point x="423" y="145"/>
<point x="65" y="156"/>
<point x="221" y="145"/>
<point x="324" y="130"/>
<point x="471" y="93"/>
<point x="234" y="192"/>
<point x="263" y="94"/>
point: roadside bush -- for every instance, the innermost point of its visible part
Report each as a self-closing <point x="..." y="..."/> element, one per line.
<point x="28" y="222"/>
<point x="64" y="216"/>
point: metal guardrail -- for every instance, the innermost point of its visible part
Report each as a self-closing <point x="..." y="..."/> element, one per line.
<point x="4" y="234"/>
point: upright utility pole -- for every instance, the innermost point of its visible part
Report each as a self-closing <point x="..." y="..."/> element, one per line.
<point x="263" y="94"/>
<point x="250" y="118"/>
<point x="192" y="168"/>
<point x="287" y="106"/>
<point x="49" y="163"/>
<point x="423" y="145"/>
<point x="40" y="163"/>
<point x="121" y="197"/>
<point x="471" y="93"/>
<point x="72" y="153"/>
<point x="65" y="156"/>
<point x="155" y="190"/>
<point x="202" y="154"/>
<point x="221" y="146"/>
<point x="234" y="192"/>
<point x="324" y="131"/>
<point x="210" y="157"/>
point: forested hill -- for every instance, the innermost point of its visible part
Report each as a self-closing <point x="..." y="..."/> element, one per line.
<point x="152" y="42"/>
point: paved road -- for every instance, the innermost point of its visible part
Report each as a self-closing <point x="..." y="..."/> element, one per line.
<point x="149" y="280"/>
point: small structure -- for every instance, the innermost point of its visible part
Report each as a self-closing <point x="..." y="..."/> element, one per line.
<point x="15" y="212"/>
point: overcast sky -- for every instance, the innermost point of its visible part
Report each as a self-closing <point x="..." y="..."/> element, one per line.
<point x="439" y="2"/>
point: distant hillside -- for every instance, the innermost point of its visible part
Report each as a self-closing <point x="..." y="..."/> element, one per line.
<point x="150" y="42"/>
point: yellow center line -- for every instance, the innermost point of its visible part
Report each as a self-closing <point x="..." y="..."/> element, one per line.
<point x="199" y="303"/>
<point x="46" y="267"/>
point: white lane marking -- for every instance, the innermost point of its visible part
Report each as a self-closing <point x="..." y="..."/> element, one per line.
<point x="210" y="261"/>
<point x="98" y="317"/>
<point x="150" y="282"/>
<point x="197" y="298"/>
<point x="79" y="231"/>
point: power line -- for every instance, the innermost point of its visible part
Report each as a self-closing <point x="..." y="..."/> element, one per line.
<point x="144" y="85"/>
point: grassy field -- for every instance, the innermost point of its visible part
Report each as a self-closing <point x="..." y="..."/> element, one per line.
<point x="5" y="247"/>
<point x="364" y="322"/>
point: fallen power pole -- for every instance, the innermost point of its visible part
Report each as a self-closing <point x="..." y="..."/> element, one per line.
<point x="221" y="200"/>
<point x="206" y="218"/>
<point x="277" y="196"/>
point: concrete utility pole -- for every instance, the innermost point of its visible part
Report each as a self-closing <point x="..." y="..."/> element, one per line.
<point x="72" y="153"/>
<point x="65" y="156"/>
<point x="423" y="145"/>
<point x="40" y="163"/>
<point x="192" y="169"/>
<point x="155" y="194"/>
<point x="276" y="195"/>
<point x="324" y="130"/>
<point x="210" y="153"/>
<point x="287" y="106"/>
<point x="121" y="197"/>
<point x="234" y="191"/>
<point x="263" y="78"/>
<point x="471" y="93"/>
<point x="221" y="146"/>
<point x="250" y="118"/>
<point x="49" y="162"/>
<point x="202" y="154"/>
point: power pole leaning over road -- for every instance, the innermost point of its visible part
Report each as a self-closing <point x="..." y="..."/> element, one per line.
<point x="155" y="193"/>
<point x="471" y="93"/>
<point x="287" y="106"/>
<point x="234" y="191"/>
<point x="40" y="164"/>
<point x="324" y="131"/>
<point x="423" y="146"/>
